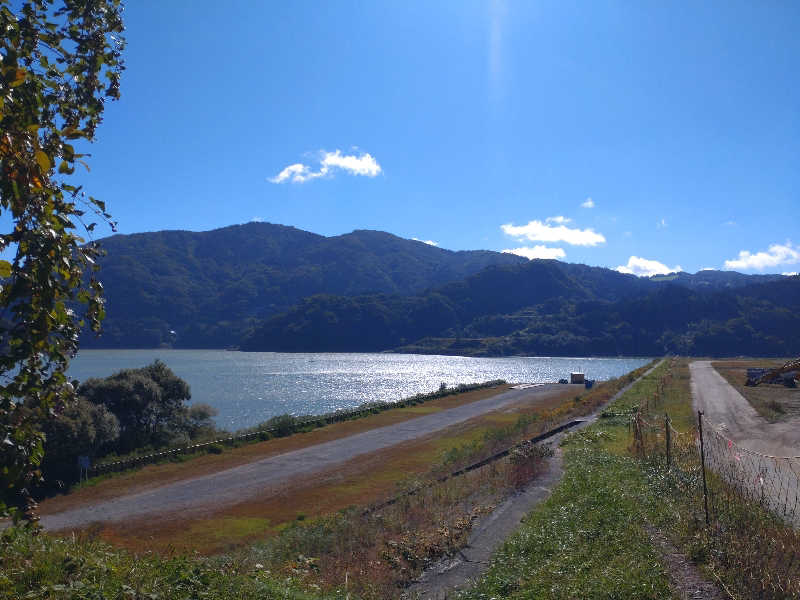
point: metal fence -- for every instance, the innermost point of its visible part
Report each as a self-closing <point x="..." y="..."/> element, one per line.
<point x="744" y="505"/>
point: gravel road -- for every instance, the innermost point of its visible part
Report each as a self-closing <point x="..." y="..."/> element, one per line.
<point x="247" y="481"/>
<point x="759" y="461"/>
<point x="730" y="412"/>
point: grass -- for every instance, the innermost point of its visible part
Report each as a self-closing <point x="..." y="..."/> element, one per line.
<point x="592" y="538"/>
<point x="315" y="541"/>
<point x="43" y="567"/>
<point x="774" y="402"/>
<point x="588" y="540"/>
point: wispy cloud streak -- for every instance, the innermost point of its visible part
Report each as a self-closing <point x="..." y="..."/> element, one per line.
<point x="363" y="164"/>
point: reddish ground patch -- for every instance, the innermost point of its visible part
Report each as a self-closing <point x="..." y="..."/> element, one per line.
<point x="153" y="476"/>
<point x="359" y="482"/>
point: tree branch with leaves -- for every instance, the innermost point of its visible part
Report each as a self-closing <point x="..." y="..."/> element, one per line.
<point x="60" y="61"/>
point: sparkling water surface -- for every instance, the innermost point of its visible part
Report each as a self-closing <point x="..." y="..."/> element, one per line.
<point x="250" y="387"/>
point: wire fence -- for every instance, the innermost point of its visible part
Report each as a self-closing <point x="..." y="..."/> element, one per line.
<point x="745" y="504"/>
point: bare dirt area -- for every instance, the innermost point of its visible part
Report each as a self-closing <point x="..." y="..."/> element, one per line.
<point x="774" y="402"/>
<point x="686" y="580"/>
<point x="265" y="481"/>
<point x="731" y="413"/>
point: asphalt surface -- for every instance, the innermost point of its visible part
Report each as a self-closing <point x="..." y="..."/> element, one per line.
<point x="244" y="482"/>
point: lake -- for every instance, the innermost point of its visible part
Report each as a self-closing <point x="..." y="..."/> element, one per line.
<point x="250" y="387"/>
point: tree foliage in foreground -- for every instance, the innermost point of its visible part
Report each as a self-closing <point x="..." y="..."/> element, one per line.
<point x="59" y="63"/>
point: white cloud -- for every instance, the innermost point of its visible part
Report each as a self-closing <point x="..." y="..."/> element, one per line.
<point x="536" y="231"/>
<point x="429" y="242"/>
<point x="730" y="223"/>
<point x="363" y="164"/>
<point x="297" y="172"/>
<point x="645" y="268"/>
<point x="777" y="254"/>
<point x="708" y="269"/>
<point x="588" y="203"/>
<point x="790" y="273"/>
<point x="537" y="252"/>
<point x="661" y="224"/>
<point x="559" y="219"/>
<point x="257" y="220"/>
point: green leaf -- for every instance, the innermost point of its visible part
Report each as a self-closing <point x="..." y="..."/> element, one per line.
<point x="5" y="269"/>
<point x="43" y="160"/>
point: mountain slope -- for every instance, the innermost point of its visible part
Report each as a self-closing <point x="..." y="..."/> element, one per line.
<point x="547" y="308"/>
<point x="209" y="287"/>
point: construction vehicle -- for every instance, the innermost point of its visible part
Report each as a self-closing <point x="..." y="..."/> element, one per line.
<point x="788" y="373"/>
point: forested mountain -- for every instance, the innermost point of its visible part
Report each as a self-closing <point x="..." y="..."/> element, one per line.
<point x="271" y="287"/>
<point x="210" y="287"/>
<point x="546" y="308"/>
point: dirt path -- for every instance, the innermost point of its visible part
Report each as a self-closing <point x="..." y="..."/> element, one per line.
<point x="195" y="496"/>
<point x="446" y="577"/>
<point x="730" y="412"/>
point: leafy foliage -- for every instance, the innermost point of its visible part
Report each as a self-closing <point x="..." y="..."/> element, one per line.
<point x="550" y="308"/>
<point x="82" y="429"/>
<point x="147" y="402"/>
<point x="132" y="410"/>
<point x="59" y="62"/>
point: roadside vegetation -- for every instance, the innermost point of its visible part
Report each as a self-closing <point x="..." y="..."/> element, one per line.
<point x="352" y="551"/>
<point x="621" y="516"/>
<point x="590" y="537"/>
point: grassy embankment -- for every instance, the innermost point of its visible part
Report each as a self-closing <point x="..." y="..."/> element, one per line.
<point x="774" y="402"/>
<point x="597" y="535"/>
<point x="590" y="538"/>
<point x="367" y="555"/>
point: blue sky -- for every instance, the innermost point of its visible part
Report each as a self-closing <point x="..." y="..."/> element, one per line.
<point x="608" y="133"/>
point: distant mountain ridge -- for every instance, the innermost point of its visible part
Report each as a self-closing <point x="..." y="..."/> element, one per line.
<point x="262" y="286"/>
<point x="549" y="308"/>
<point x="210" y="287"/>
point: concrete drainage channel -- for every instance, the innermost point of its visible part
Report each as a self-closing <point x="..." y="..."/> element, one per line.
<point x="445" y="577"/>
<point x="482" y="463"/>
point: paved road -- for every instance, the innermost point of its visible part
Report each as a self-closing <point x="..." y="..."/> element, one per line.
<point x="748" y="464"/>
<point x="729" y="411"/>
<point x="246" y="481"/>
